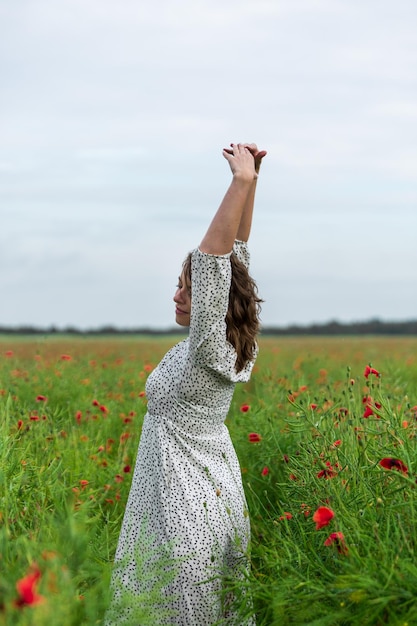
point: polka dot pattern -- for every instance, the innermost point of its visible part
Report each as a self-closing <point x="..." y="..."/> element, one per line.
<point x="186" y="495"/>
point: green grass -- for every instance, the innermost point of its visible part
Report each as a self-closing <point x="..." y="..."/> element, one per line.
<point x="66" y="464"/>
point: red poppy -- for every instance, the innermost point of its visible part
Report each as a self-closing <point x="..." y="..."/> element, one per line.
<point x="323" y="517"/>
<point x="83" y="483"/>
<point x="96" y="403"/>
<point x="103" y="408"/>
<point x="305" y="509"/>
<point x="313" y="406"/>
<point x="286" y="515"/>
<point x="254" y="437"/>
<point x="41" y="398"/>
<point x="8" y="353"/>
<point x="26" y="588"/>
<point x="328" y="472"/>
<point x="126" y="469"/>
<point x="368" y="411"/>
<point x="336" y="443"/>
<point x="245" y="408"/>
<point x="337" y="539"/>
<point x="371" y="370"/>
<point x="66" y="357"/>
<point x="370" y="406"/>
<point x="265" y="471"/>
<point x="389" y="463"/>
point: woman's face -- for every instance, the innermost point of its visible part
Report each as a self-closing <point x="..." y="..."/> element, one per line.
<point x="182" y="301"/>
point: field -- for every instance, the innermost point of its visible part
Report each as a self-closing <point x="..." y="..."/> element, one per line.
<point x="326" y="436"/>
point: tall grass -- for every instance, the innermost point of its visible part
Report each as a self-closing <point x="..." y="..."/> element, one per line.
<point x="70" y="420"/>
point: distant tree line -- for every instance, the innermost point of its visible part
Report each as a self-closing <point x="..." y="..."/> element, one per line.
<point x="371" y="327"/>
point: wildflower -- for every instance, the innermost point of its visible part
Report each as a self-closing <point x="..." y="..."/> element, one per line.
<point x="148" y="368"/>
<point x="96" y="403"/>
<point x="305" y="509"/>
<point x="368" y="411"/>
<point x="323" y="517"/>
<point x="20" y="424"/>
<point x="83" y="483"/>
<point x="254" y="437"/>
<point x="104" y="409"/>
<point x="337" y="539"/>
<point x="126" y="469"/>
<point x="8" y="353"/>
<point x="141" y="394"/>
<point x="371" y="370"/>
<point x="327" y="472"/>
<point x="245" y="408"/>
<point x="370" y="406"/>
<point x="313" y="406"/>
<point x="285" y="515"/>
<point x="66" y="357"/>
<point x="26" y="588"/>
<point x="265" y="471"/>
<point x="389" y="463"/>
<point x="78" y="416"/>
<point x="336" y="443"/>
<point x="41" y="398"/>
<point x="118" y="478"/>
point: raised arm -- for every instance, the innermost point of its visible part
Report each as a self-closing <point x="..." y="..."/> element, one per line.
<point x="224" y="227"/>
<point x="246" y="219"/>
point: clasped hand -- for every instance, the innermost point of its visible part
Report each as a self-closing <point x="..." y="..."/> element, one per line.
<point x="244" y="159"/>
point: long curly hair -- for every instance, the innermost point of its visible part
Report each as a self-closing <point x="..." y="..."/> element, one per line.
<point x="242" y="317"/>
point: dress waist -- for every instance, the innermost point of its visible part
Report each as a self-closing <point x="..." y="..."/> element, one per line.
<point x="200" y="427"/>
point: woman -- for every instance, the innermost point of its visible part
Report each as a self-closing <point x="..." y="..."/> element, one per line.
<point x="186" y="500"/>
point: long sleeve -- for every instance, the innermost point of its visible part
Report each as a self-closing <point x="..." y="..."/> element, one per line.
<point x="210" y="286"/>
<point x="240" y="248"/>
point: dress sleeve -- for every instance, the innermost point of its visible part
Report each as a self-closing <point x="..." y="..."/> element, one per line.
<point x="240" y="248"/>
<point x="210" y="286"/>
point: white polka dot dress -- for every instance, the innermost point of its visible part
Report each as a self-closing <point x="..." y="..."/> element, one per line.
<point x="186" y="496"/>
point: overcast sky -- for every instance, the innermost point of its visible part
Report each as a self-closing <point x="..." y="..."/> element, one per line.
<point x="113" y="115"/>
